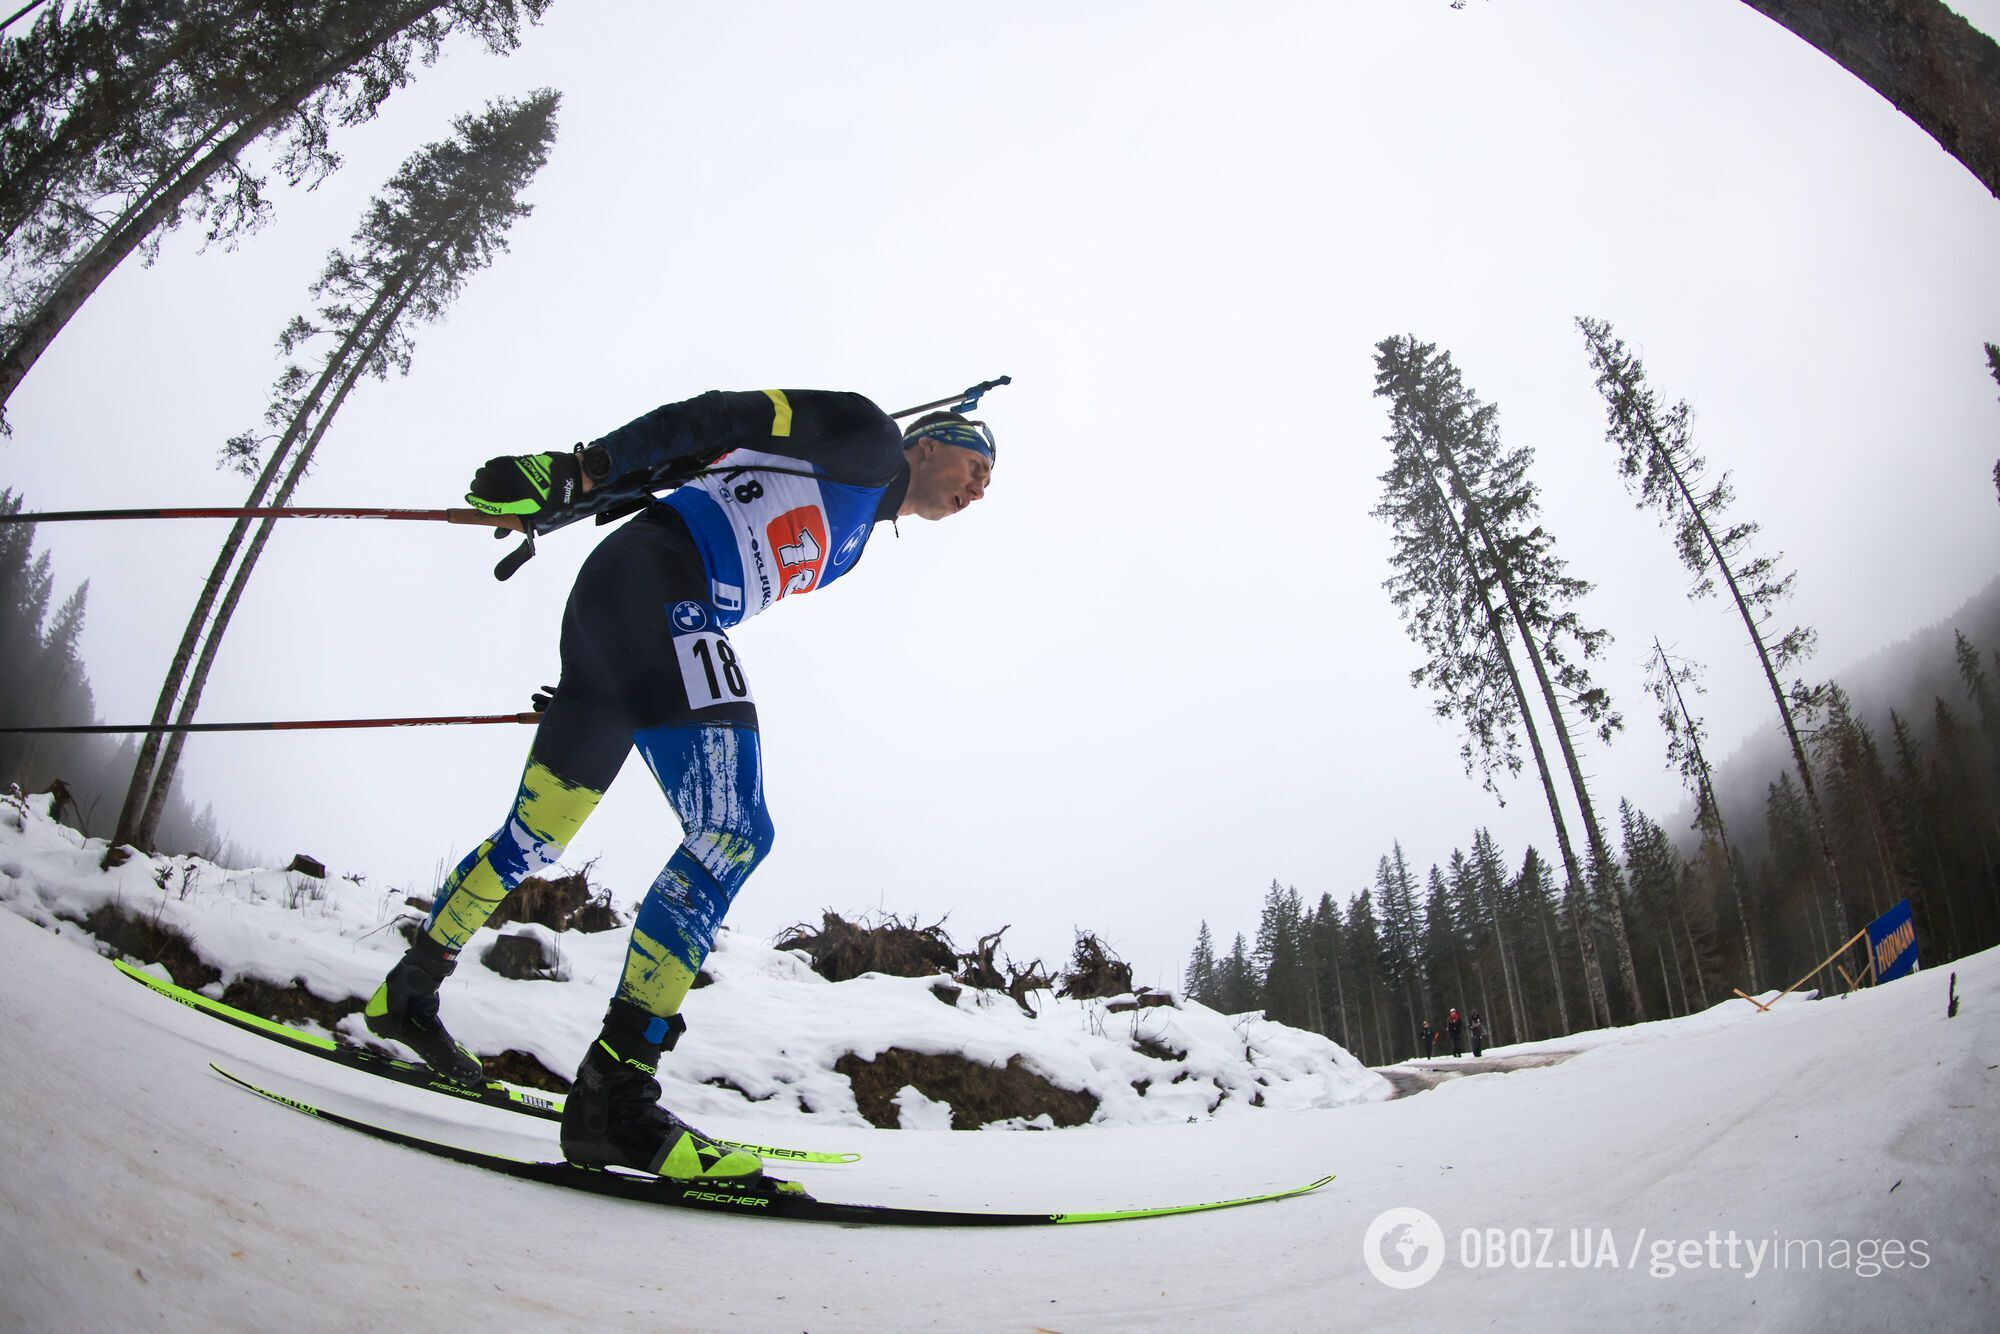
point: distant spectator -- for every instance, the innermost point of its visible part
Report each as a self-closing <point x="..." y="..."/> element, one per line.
<point x="1455" y="1026"/>
<point x="1478" y="1034"/>
<point x="1430" y="1039"/>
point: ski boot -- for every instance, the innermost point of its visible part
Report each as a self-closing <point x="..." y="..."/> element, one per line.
<point x="405" y="1009"/>
<point x="612" y="1115"/>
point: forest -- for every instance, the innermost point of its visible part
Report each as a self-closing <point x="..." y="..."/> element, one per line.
<point x="127" y="121"/>
<point x="1629" y="920"/>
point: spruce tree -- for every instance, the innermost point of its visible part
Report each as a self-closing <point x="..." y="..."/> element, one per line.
<point x="1488" y="886"/>
<point x="1670" y="680"/>
<point x="1401" y="934"/>
<point x="1656" y="451"/>
<point x="1472" y="567"/>
<point x="1199" y="981"/>
<point x="442" y="217"/>
<point x="1284" y="966"/>
<point x="1967" y="807"/>
<point x="1869" y="846"/>
<point x="1532" y="888"/>
<point x="1795" y="856"/>
<point x="1445" y="953"/>
<point x="1237" y="979"/>
<point x="1329" y="945"/>
<point x="1363" y="964"/>
<point x="126" y="118"/>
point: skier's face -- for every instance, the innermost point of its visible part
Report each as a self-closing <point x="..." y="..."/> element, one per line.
<point x="944" y="479"/>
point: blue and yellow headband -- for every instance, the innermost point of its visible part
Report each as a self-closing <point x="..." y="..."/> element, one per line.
<point x="972" y="435"/>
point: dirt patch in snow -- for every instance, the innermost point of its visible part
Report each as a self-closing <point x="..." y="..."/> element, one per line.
<point x="978" y="1093"/>
<point x="518" y="1067"/>
<point x="151" y="941"/>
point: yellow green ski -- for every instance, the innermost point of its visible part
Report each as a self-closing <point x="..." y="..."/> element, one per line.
<point x="767" y="1196"/>
<point x="493" y="1093"/>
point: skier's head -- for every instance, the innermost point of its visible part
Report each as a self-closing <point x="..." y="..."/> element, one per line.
<point x="952" y="428"/>
<point x="951" y="463"/>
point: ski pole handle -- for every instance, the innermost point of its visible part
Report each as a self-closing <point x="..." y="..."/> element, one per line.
<point x="964" y="402"/>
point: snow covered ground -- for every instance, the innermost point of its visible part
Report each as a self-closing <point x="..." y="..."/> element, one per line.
<point x="767" y="1024"/>
<point x="1848" y="1147"/>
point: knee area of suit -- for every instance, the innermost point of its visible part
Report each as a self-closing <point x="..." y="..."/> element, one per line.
<point x="730" y="854"/>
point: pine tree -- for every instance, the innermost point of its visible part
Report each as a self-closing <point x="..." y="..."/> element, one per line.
<point x="130" y="117"/>
<point x="1284" y="967"/>
<point x="1978" y="684"/>
<point x="1237" y="980"/>
<point x="1471" y="568"/>
<point x="1794" y="856"/>
<point x="1874" y="859"/>
<point x="1200" y="980"/>
<point x="1401" y="934"/>
<point x="1488" y="885"/>
<point x="1445" y="952"/>
<point x="1966" y="806"/>
<point x="1329" y="946"/>
<point x="1533" y="890"/>
<point x="1654" y="870"/>
<point x="1670" y="680"/>
<point x="1363" y="964"/>
<point x="1916" y="813"/>
<point x="442" y="217"/>
<point x="1656" y="450"/>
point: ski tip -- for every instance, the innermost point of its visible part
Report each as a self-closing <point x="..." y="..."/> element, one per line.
<point x="1121" y="1215"/>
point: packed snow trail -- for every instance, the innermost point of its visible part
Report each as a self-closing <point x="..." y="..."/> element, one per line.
<point x="143" y="1190"/>
<point x="1417" y="1076"/>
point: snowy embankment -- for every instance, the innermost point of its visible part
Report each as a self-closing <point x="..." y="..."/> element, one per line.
<point x="1421" y="1073"/>
<point x="764" y="1035"/>
<point x="143" y="1191"/>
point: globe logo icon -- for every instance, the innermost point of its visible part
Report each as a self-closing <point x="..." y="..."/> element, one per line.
<point x="1404" y="1248"/>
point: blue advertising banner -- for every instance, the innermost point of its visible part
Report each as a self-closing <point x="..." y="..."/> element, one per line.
<point x="1892" y="940"/>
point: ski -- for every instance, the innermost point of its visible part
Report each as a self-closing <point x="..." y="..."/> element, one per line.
<point x="769" y="1197"/>
<point x="528" y="1102"/>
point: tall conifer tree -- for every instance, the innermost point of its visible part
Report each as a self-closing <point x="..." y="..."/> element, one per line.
<point x="1472" y="567"/>
<point x="128" y="117"/>
<point x="441" y="218"/>
<point x="1656" y="452"/>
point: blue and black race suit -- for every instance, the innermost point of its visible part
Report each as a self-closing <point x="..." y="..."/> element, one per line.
<point x="799" y="478"/>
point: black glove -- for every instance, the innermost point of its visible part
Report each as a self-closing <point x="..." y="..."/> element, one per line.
<point x="536" y="486"/>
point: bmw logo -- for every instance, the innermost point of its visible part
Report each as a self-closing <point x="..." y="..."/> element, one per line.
<point x="688" y="616"/>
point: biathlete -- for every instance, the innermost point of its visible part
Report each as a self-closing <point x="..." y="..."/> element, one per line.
<point x="782" y="489"/>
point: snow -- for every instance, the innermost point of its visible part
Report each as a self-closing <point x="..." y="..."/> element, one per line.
<point x="767" y="1025"/>
<point x="142" y="1190"/>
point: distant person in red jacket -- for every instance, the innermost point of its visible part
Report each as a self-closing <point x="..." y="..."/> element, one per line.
<point x="1456" y="1027"/>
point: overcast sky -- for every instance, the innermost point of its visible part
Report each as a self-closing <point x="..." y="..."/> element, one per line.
<point x="1155" y="670"/>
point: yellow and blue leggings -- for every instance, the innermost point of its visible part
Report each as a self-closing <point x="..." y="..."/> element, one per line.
<point x="621" y="688"/>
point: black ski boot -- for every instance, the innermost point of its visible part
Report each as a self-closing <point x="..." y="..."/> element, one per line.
<point x="612" y="1116"/>
<point x="405" y="1009"/>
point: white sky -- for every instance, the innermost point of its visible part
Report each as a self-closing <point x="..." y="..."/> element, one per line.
<point x="1156" y="669"/>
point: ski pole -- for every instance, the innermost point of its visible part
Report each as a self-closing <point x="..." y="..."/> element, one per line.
<point x="466" y="516"/>
<point x="501" y="524"/>
<point x="964" y="402"/>
<point x="297" y="725"/>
